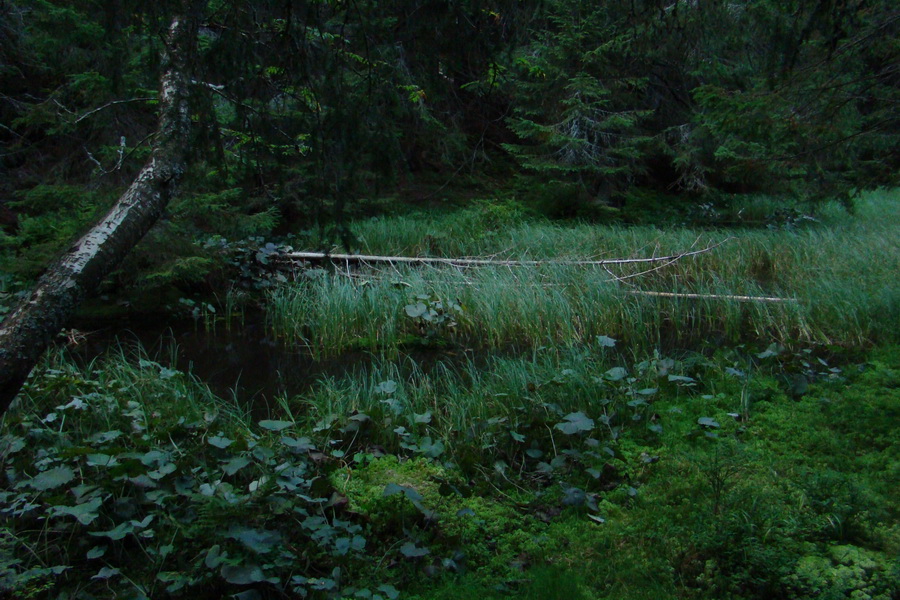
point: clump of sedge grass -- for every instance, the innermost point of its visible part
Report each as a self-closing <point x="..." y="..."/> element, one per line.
<point x="838" y="278"/>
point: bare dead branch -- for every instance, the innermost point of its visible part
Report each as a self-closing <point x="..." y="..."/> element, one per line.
<point x="105" y="106"/>
<point x="711" y="296"/>
<point x="482" y="262"/>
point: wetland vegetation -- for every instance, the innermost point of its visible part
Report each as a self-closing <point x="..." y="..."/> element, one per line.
<point x="542" y="433"/>
<point x="709" y="410"/>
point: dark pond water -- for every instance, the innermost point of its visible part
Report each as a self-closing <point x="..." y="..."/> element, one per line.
<point x="242" y="361"/>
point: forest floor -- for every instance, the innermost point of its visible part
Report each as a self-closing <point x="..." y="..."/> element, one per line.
<point x="547" y="431"/>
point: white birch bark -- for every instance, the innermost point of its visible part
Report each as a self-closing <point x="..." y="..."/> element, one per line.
<point x="32" y="325"/>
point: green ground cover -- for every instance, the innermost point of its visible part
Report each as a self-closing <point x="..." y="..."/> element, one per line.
<point x="565" y="441"/>
<point x="572" y="478"/>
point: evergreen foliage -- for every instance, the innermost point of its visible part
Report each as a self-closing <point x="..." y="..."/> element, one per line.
<point x="305" y="107"/>
<point x="710" y="97"/>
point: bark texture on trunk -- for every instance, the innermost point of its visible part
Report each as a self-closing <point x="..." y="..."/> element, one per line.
<point x="30" y="328"/>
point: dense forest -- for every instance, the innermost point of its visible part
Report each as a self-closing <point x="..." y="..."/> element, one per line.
<point x="442" y="298"/>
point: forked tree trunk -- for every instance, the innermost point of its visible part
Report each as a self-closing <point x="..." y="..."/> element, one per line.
<point x="30" y="328"/>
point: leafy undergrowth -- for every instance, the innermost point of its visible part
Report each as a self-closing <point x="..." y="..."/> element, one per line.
<point x="766" y="474"/>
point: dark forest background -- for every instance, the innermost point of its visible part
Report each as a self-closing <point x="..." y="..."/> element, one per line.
<point x="309" y="112"/>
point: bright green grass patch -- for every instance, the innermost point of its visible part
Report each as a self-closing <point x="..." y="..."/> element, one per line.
<point x="840" y="275"/>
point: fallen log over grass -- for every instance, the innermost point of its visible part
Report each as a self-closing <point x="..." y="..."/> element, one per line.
<point x="484" y="262"/>
<point x="737" y="298"/>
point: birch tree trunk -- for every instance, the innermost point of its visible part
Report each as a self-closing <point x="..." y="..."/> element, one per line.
<point x="30" y="328"/>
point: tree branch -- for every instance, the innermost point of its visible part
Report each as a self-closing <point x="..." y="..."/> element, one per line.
<point x="107" y="105"/>
<point x="482" y="262"/>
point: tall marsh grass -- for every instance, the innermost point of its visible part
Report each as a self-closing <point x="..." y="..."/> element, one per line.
<point x="840" y="276"/>
<point x="457" y="402"/>
<point x="126" y="377"/>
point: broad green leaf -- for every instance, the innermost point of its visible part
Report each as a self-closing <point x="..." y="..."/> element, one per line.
<point x="144" y="522"/>
<point x="106" y="573"/>
<point x="235" y="465"/>
<point x="220" y="441"/>
<point x="175" y="579"/>
<point x="342" y="545"/>
<point x="52" y="478"/>
<point x="101" y="460"/>
<point x="392" y="489"/>
<point x="85" y="513"/>
<point x="262" y="453"/>
<point x="416" y="310"/>
<point x="116" y="533"/>
<point x="575" y="423"/>
<point x="387" y="387"/>
<point x="708" y="422"/>
<point x="154" y="457"/>
<point x="275" y="425"/>
<point x="774" y="349"/>
<point x="410" y="550"/>
<point x="10" y="444"/>
<point x="606" y="342"/>
<point x="162" y="471"/>
<point x="616" y="374"/>
<point x="260" y="541"/>
<point x="300" y="444"/>
<point x="214" y="557"/>
<point x="429" y="448"/>
<point x="799" y="385"/>
<point x="242" y="574"/>
<point x="574" y="496"/>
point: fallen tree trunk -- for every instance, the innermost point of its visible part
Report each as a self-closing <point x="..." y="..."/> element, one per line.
<point x="737" y="298"/>
<point x="484" y="262"/>
<point x="30" y="328"/>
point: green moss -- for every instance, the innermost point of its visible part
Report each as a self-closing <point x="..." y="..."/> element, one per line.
<point x="846" y="572"/>
<point x="493" y="534"/>
<point x="365" y="489"/>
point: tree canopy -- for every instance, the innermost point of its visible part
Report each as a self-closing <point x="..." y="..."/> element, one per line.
<point x="304" y="108"/>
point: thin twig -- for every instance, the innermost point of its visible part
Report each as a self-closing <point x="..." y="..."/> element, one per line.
<point x="105" y="106"/>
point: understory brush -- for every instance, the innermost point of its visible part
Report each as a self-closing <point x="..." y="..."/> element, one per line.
<point x="577" y="473"/>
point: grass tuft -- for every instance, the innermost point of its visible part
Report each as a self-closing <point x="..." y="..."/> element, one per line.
<point x="840" y="274"/>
